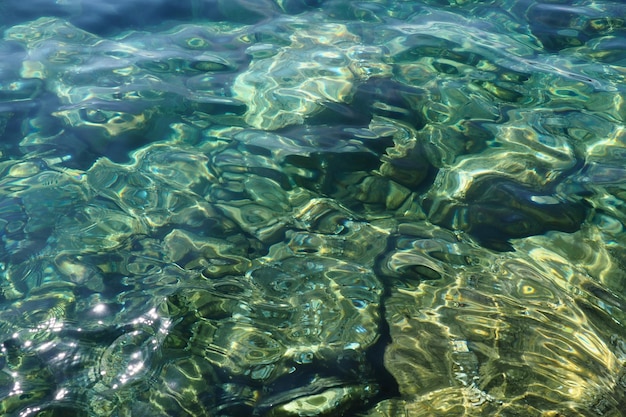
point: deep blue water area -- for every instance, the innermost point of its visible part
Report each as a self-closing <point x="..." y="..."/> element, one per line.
<point x="282" y="208"/>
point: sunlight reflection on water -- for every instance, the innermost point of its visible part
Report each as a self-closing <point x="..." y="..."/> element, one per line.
<point x="220" y="208"/>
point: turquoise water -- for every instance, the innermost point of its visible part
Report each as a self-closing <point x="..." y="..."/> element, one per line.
<point x="312" y="208"/>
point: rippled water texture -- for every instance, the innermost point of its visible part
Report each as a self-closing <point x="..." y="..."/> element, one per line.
<point x="230" y="208"/>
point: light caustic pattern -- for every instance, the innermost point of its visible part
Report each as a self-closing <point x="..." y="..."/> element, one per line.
<point x="315" y="209"/>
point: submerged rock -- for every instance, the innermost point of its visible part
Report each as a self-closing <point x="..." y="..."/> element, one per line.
<point x="470" y="339"/>
<point x="321" y="63"/>
<point x="497" y="210"/>
<point x="302" y="322"/>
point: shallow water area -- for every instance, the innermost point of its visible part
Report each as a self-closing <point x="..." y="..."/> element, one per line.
<point x="312" y="208"/>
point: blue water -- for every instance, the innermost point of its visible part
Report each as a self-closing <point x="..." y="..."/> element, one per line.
<point x="312" y="208"/>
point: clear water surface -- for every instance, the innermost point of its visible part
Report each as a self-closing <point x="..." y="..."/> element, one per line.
<point x="312" y="208"/>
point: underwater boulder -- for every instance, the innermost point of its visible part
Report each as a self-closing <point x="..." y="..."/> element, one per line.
<point x="496" y="210"/>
